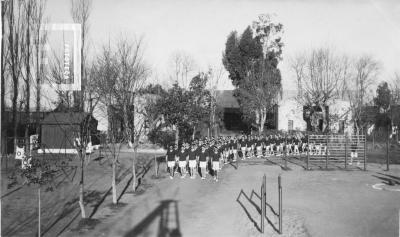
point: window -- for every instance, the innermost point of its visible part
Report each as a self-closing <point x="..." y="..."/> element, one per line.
<point x="290" y="125"/>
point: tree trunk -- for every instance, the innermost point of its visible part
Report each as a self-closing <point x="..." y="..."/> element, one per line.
<point x="258" y="117"/>
<point x="3" y="125"/>
<point x="38" y="86"/>
<point x="324" y="118"/>
<point x="263" y="117"/>
<point x="27" y="80"/>
<point x="81" y="190"/>
<point x="134" y="181"/>
<point x="13" y="57"/>
<point x="194" y="132"/>
<point x="113" y="184"/>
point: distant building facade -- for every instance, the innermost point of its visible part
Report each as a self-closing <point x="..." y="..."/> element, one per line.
<point x="287" y="115"/>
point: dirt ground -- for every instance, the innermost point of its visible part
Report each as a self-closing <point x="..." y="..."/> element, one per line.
<point x="60" y="210"/>
<point x="315" y="203"/>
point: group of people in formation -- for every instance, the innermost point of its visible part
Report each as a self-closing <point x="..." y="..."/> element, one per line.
<point x="208" y="155"/>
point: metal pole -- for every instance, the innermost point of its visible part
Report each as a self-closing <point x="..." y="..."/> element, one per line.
<point x="280" y="204"/>
<point x="365" y="152"/>
<point x="345" y="151"/>
<point x="387" y="149"/>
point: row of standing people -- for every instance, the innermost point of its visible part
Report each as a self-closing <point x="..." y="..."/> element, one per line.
<point x="208" y="155"/>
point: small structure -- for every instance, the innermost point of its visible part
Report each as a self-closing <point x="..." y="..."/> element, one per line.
<point x="59" y="131"/>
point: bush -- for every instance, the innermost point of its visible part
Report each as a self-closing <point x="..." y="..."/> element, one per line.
<point x="162" y="138"/>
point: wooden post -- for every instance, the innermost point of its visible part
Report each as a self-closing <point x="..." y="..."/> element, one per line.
<point x="365" y="152"/>
<point x="39" y="223"/>
<point x="265" y="194"/>
<point x="262" y="207"/>
<point x="345" y="151"/>
<point x="280" y="203"/>
<point x="308" y="152"/>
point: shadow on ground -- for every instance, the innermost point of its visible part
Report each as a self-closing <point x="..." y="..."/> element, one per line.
<point x="257" y="206"/>
<point x="167" y="215"/>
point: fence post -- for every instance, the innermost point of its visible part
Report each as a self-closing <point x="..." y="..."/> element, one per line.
<point x="39" y="218"/>
<point x="262" y="207"/>
<point x="280" y="203"/>
<point x="365" y="152"/>
<point x="265" y="194"/>
<point x="308" y="152"/>
<point x="345" y="151"/>
<point x="326" y="152"/>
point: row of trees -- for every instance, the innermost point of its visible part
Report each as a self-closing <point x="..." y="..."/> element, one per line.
<point x="21" y="50"/>
<point x="113" y="82"/>
<point x="23" y="73"/>
<point x="322" y="76"/>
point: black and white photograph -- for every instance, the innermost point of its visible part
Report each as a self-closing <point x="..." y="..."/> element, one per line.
<point x="189" y="118"/>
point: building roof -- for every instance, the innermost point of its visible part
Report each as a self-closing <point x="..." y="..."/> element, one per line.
<point x="64" y="118"/>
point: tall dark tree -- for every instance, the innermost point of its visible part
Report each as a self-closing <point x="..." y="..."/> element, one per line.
<point x="199" y="101"/>
<point x="383" y="96"/>
<point x="383" y="101"/>
<point x="252" y="62"/>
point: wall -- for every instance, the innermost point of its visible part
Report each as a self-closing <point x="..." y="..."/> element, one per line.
<point x="289" y="109"/>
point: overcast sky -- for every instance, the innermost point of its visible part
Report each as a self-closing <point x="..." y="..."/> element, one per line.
<point x="200" y="28"/>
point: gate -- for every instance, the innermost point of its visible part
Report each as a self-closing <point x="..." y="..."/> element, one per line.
<point x="337" y="151"/>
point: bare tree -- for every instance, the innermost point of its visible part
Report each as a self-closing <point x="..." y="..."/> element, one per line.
<point x="106" y="76"/>
<point x="214" y="75"/>
<point x="16" y="45"/>
<point x="39" y="39"/>
<point x="182" y="65"/>
<point x="4" y="59"/>
<point x="320" y="78"/>
<point x="366" y="70"/>
<point x="80" y="12"/>
<point x="395" y="88"/>
<point x="29" y="6"/>
<point x="121" y="73"/>
<point x="133" y="74"/>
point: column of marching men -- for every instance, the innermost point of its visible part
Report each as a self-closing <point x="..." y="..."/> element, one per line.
<point x="209" y="155"/>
